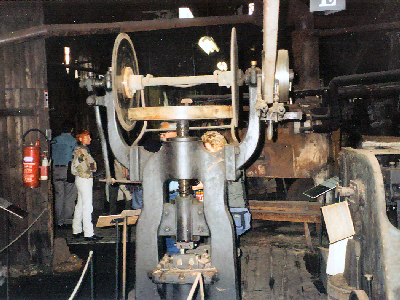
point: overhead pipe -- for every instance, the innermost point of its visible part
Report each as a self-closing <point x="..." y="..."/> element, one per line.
<point x="331" y="97"/>
<point x="355" y="29"/>
<point x="358" y="79"/>
<point x="117" y="27"/>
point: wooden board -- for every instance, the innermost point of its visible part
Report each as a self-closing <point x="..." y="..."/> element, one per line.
<point x="131" y="215"/>
<point x="339" y="223"/>
<point x="290" y="211"/>
<point x="164" y="113"/>
<point x="300" y="206"/>
<point x="285" y="217"/>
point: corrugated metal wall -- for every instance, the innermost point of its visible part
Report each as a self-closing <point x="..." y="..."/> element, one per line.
<point x="23" y="81"/>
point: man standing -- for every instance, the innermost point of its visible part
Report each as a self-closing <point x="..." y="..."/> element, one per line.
<point x="65" y="192"/>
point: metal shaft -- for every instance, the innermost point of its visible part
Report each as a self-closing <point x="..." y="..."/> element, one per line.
<point x="182" y="128"/>
<point x="183" y="218"/>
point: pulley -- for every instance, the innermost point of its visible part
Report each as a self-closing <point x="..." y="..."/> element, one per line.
<point x="124" y="63"/>
<point x="282" y="75"/>
<point x="128" y="86"/>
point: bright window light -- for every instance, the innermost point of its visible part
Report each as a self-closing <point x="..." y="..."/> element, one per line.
<point x="222" y="66"/>
<point x="208" y="45"/>
<point x="251" y="8"/>
<point x="66" y="52"/>
<point x="66" y="57"/>
<point x="185" y="13"/>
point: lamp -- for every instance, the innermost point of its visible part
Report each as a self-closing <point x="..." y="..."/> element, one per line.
<point x="222" y="66"/>
<point x="208" y="45"/>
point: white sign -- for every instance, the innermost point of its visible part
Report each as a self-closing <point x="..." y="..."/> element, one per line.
<point x="327" y="5"/>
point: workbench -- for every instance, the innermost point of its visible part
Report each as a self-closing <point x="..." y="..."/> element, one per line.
<point x="288" y="211"/>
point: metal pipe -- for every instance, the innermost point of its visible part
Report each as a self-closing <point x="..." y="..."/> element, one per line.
<point x="182" y="81"/>
<point x="104" y="150"/>
<point x="354" y="29"/>
<point x="270" y="37"/>
<point x="364" y="79"/>
<point x="332" y="98"/>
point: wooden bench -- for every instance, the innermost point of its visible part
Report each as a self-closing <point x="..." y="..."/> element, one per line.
<point x="288" y="211"/>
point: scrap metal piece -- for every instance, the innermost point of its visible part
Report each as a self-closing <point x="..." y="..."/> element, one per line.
<point x="183" y="269"/>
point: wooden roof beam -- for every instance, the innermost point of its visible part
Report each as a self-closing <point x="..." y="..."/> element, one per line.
<point x="117" y="27"/>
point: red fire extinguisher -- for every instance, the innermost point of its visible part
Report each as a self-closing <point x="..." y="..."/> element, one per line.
<point x="31" y="165"/>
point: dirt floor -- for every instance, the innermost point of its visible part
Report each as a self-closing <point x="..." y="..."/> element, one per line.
<point x="275" y="264"/>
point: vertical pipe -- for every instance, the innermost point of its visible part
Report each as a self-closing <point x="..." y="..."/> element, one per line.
<point x="270" y="37"/>
<point x="104" y="151"/>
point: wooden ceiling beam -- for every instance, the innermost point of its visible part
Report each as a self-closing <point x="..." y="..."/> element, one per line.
<point x="117" y="27"/>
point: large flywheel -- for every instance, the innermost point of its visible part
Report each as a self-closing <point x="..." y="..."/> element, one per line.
<point x="124" y="64"/>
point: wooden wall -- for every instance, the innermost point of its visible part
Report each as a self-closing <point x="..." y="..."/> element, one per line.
<point x="23" y="81"/>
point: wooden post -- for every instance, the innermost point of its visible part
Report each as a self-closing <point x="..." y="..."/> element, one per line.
<point x="124" y="234"/>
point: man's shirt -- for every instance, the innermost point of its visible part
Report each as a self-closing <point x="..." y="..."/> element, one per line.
<point x="62" y="148"/>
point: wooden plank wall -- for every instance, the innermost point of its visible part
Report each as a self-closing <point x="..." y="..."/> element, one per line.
<point x="23" y="80"/>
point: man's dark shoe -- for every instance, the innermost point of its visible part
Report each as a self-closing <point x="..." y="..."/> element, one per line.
<point x="93" y="238"/>
<point x="77" y="235"/>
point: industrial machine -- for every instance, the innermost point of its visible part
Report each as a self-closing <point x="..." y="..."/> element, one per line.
<point x="369" y="181"/>
<point x="203" y="231"/>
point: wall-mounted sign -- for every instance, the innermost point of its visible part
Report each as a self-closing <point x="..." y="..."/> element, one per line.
<point x="46" y="99"/>
<point x="327" y="5"/>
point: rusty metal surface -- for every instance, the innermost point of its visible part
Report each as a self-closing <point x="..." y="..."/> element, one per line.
<point x="292" y="156"/>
